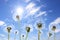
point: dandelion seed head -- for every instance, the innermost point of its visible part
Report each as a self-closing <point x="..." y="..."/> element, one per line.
<point x="39" y="25"/>
<point x="8" y="29"/>
<point x="17" y="16"/>
<point x="28" y="29"/>
<point x="54" y="28"/>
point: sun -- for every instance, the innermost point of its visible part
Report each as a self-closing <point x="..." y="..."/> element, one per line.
<point x="19" y="10"/>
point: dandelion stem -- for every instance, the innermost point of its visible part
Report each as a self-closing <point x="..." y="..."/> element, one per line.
<point x="49" y="35"/>
<point x="26" y="36"/>
<point x="54" y="36"/>
<point x="8" y="36"/>
<point x="20" y="31"/>
<point x="15" y="37"/>
<point x="18" y="18"/>
<point x="48" y="38"/>
<point x="22" y="37"/>
<point x="38" y="34"/>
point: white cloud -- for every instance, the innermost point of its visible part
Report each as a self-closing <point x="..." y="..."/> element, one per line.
<point x="32" y="11"/>
<point x="2" y="23"/>
<point x="41" y="13"/>
<point x="57" y="20"/>
<point x="56" y="23"/>
<point x="30" y="6"/>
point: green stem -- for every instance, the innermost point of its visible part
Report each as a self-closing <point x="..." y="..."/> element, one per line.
<point x="20" y="31"/>
<point x="48" y="38"/>
<point x="8" y="36"/>
<point x="22" y="38"/>
<point x="26" y="36"/>
<point x="54" y="36"/>
<point x="15" y="37"/>
<point x="38" y="35"/>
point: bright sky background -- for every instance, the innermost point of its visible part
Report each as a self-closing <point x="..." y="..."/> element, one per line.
<point x="30" y="12"/>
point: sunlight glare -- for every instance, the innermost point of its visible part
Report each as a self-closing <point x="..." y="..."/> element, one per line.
<point x="19" y="10"/>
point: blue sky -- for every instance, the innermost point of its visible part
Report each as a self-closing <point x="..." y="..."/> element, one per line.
<point x="30" y="12"/>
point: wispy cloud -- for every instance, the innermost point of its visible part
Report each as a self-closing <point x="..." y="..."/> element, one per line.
<point x="41" y="13"/>
<point x="32" y="10"/>
<point x="2" y="23"/>
<point x="57" y="21"/>
<point x="30" y="6"/>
